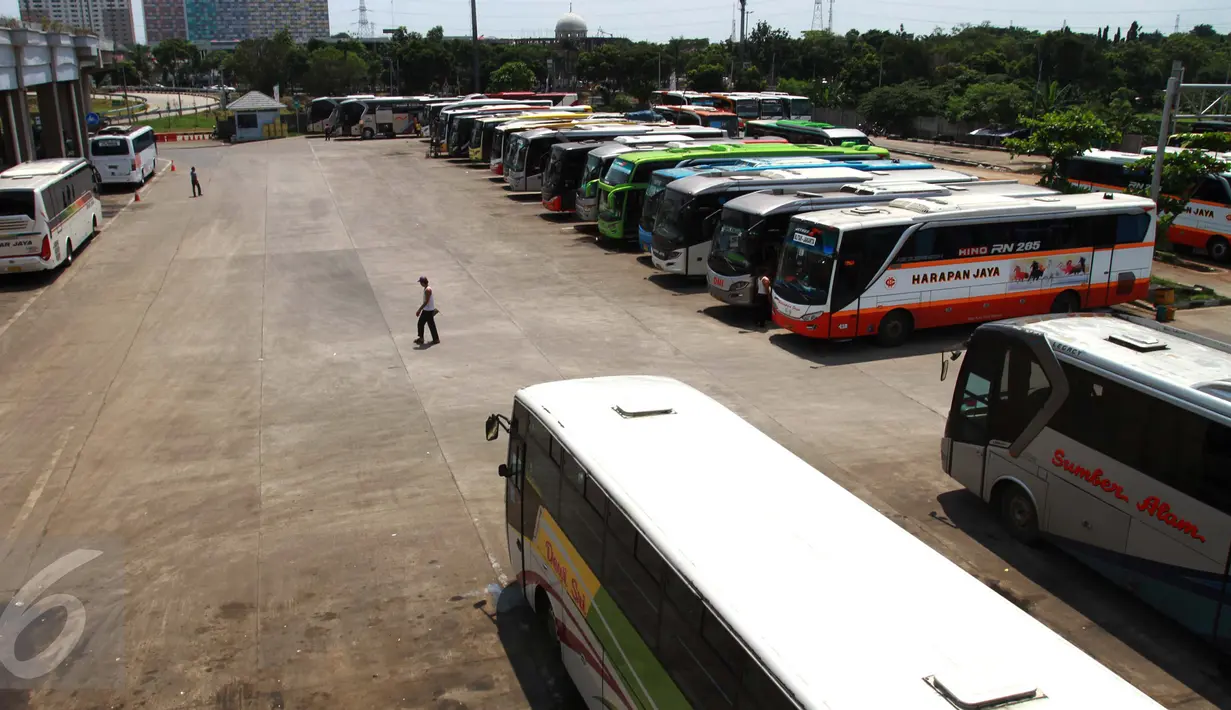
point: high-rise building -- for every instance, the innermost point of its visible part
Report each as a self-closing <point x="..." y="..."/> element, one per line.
<point x="164" y="19"/>
<point x="112" y="19"/>
<point x="231" y="20"/>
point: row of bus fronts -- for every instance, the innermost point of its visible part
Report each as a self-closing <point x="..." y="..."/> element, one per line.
<point x="1101" y="482"/>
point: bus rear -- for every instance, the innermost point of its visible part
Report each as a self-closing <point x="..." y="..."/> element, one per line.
<point x="886" y="270"/>
<point x="23" y="245"/>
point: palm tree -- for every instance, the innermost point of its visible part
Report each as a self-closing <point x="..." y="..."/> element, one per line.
<point x="142" y="63"/>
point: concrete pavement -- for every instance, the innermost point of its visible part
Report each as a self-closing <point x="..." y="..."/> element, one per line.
<point x="227" y="392"/>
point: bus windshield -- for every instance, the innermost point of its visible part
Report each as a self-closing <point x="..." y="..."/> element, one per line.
<point x="748" y="108"/>
<point x="593" y="170"/>
<point x="801" y="107"/>
<point x="109" y="146"/>
<point x="772" y="108"/>
<point x="733" y="242"/>
<point x="620" y="172"/>
<point x="678" y="220"/>
<point x="515" y="154"/>
<point x="701" y="100"/>
<point x="807" y="264"/>
<point x="17" y="202"/>
<point x="653" y="198"/>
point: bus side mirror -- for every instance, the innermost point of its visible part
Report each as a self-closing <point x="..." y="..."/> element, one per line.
<point x="944" y="367"/>
<point x="492" y="429"/>
<point x="503" y="470"/>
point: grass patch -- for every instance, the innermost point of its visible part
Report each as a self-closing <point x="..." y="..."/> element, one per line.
<point x="1184" y="292"/>
<point x="203" y="121"/>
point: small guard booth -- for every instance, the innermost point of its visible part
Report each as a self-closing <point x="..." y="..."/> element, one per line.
<point x="253" y="112"/>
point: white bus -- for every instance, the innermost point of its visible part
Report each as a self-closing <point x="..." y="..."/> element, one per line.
<point x="1206" y="221"/>
<point x="661" y="570"/>
<point x="1111" y="436"/>
<point x="124" y="154"/>
<point x="48" y="209"/>
<point x="885" y="270"/>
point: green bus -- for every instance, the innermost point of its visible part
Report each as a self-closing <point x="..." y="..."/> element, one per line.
<point x="812" y="132"/>
<point x="622" y="189"/>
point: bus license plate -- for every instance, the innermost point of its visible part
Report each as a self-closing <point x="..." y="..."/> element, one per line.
<point x="14" y="268"/>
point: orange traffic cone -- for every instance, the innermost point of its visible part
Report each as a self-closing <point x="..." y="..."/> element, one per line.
<point x="137" y="196"/>
<point x="172" y="166"/>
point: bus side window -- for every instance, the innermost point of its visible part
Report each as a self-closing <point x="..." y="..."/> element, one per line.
<point x="579" y="520"/>
<point x="632" y="588"/>
<point x="862" y="255"/>
<point x="1216" y="481"/>
<point x="541" y="471"/>
<point x="1104" y="415"/>
<point x="1213" y="189"/>
<point x="1132" y="228"/>
<point x="694" y="666"/>
<point x="760" y="692"/>
<point x="1023" y="391"/>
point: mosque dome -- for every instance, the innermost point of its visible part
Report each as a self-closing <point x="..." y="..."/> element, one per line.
<point x="571" y="23"/>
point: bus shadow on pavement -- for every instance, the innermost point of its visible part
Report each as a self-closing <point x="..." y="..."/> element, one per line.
<point x="556" y="217"/>
<point x="535" y="660"/>
<point x="845" y="352"/>
<point x="30" y="281"/>
<point x="1183" y="655"/>
<point x="679" y="285"/>
<point x="525" y="197"/>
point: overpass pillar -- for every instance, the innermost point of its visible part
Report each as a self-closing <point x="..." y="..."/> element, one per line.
<point x="52" y="136"/>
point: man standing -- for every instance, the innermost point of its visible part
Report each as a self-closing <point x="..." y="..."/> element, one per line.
<point x="764" y="303"/>
<point x="196" y="184"/>
<point x="427" y="313"/>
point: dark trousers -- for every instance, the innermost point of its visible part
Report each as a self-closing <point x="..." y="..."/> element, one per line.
<point x="196" y="188"/>
<point x="428" y="318"/>
<point x="765" y="309"/>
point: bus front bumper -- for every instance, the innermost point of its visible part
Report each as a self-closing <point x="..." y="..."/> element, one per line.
<point x="554" y="204"/>
<point x="816" y="328"/>
<point x="732" y="290"/>
<point x="587" y="208"/>
<point x="646" y="239"/>
<point x="476" y="155"/>
<point x="611" y="230"/>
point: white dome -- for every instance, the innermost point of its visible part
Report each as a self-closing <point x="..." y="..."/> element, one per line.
<point x="571" y="22"/>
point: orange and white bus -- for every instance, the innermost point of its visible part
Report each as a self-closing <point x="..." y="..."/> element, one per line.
<point x="885" y="270"/>
<point x="1206" y="222"/>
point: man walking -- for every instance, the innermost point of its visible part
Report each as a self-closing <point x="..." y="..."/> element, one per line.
<point x="196" y="184"/>
<point x="427" y="313"/>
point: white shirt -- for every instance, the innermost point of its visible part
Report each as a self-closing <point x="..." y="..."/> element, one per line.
<point x="431" y="299"/>
<point x="761" y="289"/>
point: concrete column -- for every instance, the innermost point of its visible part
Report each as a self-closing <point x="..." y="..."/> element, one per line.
<point x="25" y="134"/>
<point x="12" y="140"/>
<point x="76" y="126"/>
<point x="85" y="90"/>
<point x="49" y="113"/>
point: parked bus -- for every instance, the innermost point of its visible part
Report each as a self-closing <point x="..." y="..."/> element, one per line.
<point x="124" y="154"/>
<point x="600" y="159"/>
<point x="886" y="270"/>
<point x="461" y="123"/>
<point x="48" y="209"/>
<point x="680" y="98"/>
<point x="533" y="147"/>
<point x="440" y="123"/>
<point x="389" y="116"/>
<point x="1206" y="221"/>
<point x="527" y="152"/>
<point x="747" y="239"/>
<point x="798" y="108"/>
<point x="813" y="132"/>
<point x="655" y="568"/>
<point x="557" y="99"/>
<point x="622" y="188"/>
<point x="1111" y="436"/>
<point x="746" y="106"/>
<point x="659" y="181"/>
<point x="483" y="134"/>
<point x="690" y="208"/>
<point x="323" y="110"/>
<point x="567" y="165"/>
<point x="504" y="132"/>
<point x="701" y="116"/>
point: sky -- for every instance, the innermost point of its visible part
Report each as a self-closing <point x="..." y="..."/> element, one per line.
<point x="658" y="21"/>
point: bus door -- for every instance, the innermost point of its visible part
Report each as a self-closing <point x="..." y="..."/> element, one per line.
<point x="1114" y="271"/>
<point x="515" y="493"/>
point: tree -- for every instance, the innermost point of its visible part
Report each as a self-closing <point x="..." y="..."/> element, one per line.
<point x="795" y="87"/>
<point x="1183" y="172"/>
<point x="895" y="107"/>
<point x="266" y="62"/>
<point x="997" y="103"/>
<point x="332" y="73"/>
<point x="1217" y="142"/>
<point x="749" y="79"/>
<point x="512" y="76"/>
<point x="707" y="77"/>
<point x="142" y="61"/>
<point x="1061" y="135"/>
<point x="173" y="55"/>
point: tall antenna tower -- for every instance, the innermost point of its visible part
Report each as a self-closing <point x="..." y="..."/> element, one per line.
<point x="365" y="25"/>
<point x="734" y="20"/>
<point x="818" y="15"/>
<point x="1177" y="24"/>
<point x="830" y="27"/>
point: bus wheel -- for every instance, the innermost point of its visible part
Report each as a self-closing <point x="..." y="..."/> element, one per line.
<point x="894" y="329"/>
<point x="1018" y="514"/>
<point x="68" y="255"/>
<point x="547" y="618"/>
<point x="368" y="133"/>
<point x="1067" y="302"/>
<point x="1219" y="248"/>
<point x="94" y="227"/>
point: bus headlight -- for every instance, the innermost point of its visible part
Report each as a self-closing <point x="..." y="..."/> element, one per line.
<point x="811" y="316"/>
<point x="740" y="285"/>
